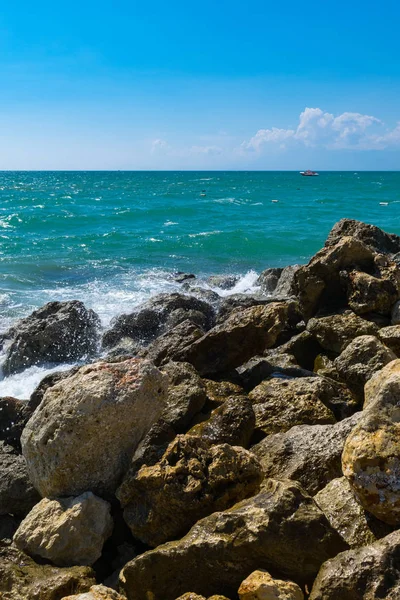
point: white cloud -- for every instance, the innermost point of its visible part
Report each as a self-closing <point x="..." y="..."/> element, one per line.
<point x="159" y="145"/>
<point x="208" y="150"/>
<point x="317" y="128"/>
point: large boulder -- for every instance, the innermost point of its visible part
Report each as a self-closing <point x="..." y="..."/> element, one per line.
<point x="172" y="344"/>
<point x="84" y="432"/>
<point x="17" y="494"/>
<point x="369" y="293"/>
<point x="194" y="478"/>
<point x="260" y="585"/>
<point x="186" y="395"/>
<point x="153" y="318"/>
<point x="21" y="578"/>
<point x="310" y="454"/>
<point x="244" y="334"/>
<point x="56" y="333"/>
<point x="371" y="456"/>
<point x="279" y="404"/>
<point x="366" y="573"/>
<point x="356" y="526"/>
<point x="335" y="332"/>
<point x="97" y="592"/>
<point x="363" y="357"/>
<point x="66" y="531"/>
<point x="370" y="235"/>
<point x="267" y="531"/>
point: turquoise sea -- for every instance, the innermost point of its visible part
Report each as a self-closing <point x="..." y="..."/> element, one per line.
<point x="112" y="239"/>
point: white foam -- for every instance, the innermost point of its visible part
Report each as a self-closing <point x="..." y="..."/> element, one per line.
<point x="21" y="385"/>
<point x="245" y="285"/>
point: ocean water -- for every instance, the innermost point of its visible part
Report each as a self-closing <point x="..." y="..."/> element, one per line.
<point x="113" y="239"/>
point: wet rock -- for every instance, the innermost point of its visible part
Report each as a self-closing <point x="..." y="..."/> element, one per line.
<point x="243" y="335"/>
<point x="194" y="478"/>
<point x="259" y="585"/>
<point x="371" y="455"/>
<point x="56" y="333"/>
<point x="319" y="284"/>
<point x="310" y="454"/>
<point x="17" y="494"/>
<point x="286" y="286"/>
<point x="66" y="531"/>
<point x="97" y="592"/>
<point x="390" y="336"/>
<point x="356" y="526"/>
<point x="87" y="427"/>
<point x="201" y="293"/>
<point x="335" y="332"/>
<point x="23" y="579"/>
<point x="370" y="235"/>
<point x="186" y="395"/>
<point x="279" y="404"/>
<point x="373" y="293"/>
<point x="224" y="282"/>
<point x="220" y="391"/>
<point x="181" y="277"/>
<point x="363" y="357"/>
<point x="180" y="315"/>
<point x="172" y="345"/>
<point x="395" y="316"/>
<point x="150" y="319"/>
<point x="231" y="423"/>
<point x="266" y="531"/>
<point x="13" y="416"/>
<point x="268" y="280"/>
<point x="366" y="573"/>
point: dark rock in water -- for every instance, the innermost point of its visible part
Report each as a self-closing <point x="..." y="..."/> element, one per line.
<point x="13" y="417"/>
<point x="335" y="332"/>
<point x="244" y="334"/>
<point x="21" y="578"/>
<point x="268" y="280"/>
<point x="224" y="282"/>
<point x="356" y="526"/>
<point x="204" y="294"/>
<point x="150" y="319"/>
<point x="310" y="454"/>
<point x="231" y="423"/>
<point x="267" y="531"/>
<point x="180" y="315"/>
<point x="56" y="333"/>
<point x="193" y="479"/>
<point x="186" y="395"/>
<point x="47" y="382"/>
<point x="17" y="495"/>
<point x="279" y="404"/>
<point x="172" y="344"/>
<point x="370" y="235"/>
<point x="87" y="427"/>
<point x="363" y="357"/>
<point x="370" y="572"/>
<point x="181" y="277"/>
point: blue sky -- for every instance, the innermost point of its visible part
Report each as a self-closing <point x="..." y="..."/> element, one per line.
<point x="210" y="85"/>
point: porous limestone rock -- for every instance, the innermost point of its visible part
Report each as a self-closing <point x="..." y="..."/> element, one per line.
<point x="356" y="526"/>
<point x="193" y="479"/>
<point x="371" y="455"/>
<point x="97" y="592"/>
<point x="335" y="332"/>
<point x="390" y="336"/>
<point x="279" y="404"/>
<point x="186" y="395"/>
<point x="243" y="334"/>
<point x="377" y="239"/>
<point x="231" y="423"/>
<point x="84" y="433"/>
<point x="56" y="332"/>
<point x="366" y="573"/>
<point x="267" y="531"/>
<point x="285" y="286"/>
<point x="235" y="301"/>
<point x="310" y="454"/>
<point x="220" y="391"/>
<point x="259" y="585"/>
<point x="66" y="531"/>
<point x="363" y="357"/>
<point x="191" y="596"/>
<point x="21" y="578"/>
<point x="17" y="494"/>
<point x="172" y="344"/>
<point x="373" y="293"/>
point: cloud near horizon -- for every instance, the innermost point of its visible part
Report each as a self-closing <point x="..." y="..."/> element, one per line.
<point x="316" y="128"/>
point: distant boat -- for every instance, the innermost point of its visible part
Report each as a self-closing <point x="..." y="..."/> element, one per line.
<point x="308" y="173"/>
<point x="203" y="193"/>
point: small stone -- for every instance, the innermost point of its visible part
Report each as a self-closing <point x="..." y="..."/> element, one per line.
<point x="97" y="592"/>
<point x="67" y="531"/>
<point x="261" y="586"/>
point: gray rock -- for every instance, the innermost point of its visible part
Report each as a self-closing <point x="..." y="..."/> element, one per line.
<point x="13" y="416"/>
<point x="56" y="333"/>
<point x="17" y="494"/>
<point x="172" y="344"/>
<point x="286" y="286"/>
<point x="87" y="427"/>
<point x="310" y="454"/>
<point x="366" y="573"/>
<point x="266" y="531"/>
<point x="390" y="336"/>
<point x="335" y="332"/>
<point x="268" y="280"/>
<point x="224" y="282"/>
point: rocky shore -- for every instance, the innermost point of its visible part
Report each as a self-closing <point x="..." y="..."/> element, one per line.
<point x="244" y="447"/>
